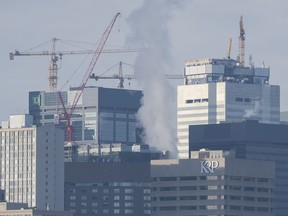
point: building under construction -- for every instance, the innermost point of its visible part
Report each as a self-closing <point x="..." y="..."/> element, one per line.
<point x="217" y="90"/>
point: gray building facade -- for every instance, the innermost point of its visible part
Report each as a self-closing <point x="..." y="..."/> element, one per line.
<point x="211" y="184"/>
<point x="250" y="140"/>
<point x="108" y="188"/>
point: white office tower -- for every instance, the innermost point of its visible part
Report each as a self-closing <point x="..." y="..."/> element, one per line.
<point x="32" y="165"/>
<point x="218" y="90"/>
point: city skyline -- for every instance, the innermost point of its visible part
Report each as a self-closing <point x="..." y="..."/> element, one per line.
<point x="197" y="29"/>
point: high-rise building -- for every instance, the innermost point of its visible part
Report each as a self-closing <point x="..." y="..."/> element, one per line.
<point x="32" y="163"/>
<point x="250" y="140"/>
<point x="108" y="188"/>
<point x="101" y="116"/>
<point x="212" y="183"/>
<point x="219" y="90"/>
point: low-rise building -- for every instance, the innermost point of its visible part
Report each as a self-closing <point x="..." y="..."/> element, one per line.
<point x="17" y="209"/>
<point x="108" y="188"/>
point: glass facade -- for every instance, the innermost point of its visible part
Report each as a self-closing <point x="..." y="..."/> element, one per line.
<point x="101" y="116"/>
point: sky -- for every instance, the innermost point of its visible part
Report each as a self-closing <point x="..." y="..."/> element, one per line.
<point x="195" y="29"/>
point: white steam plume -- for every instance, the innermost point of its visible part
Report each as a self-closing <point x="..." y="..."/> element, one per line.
<point x="149" y="26"/>
<point x="252" y="112"/>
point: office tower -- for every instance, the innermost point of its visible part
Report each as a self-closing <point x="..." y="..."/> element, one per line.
<point x="219" y="90"/>
<point x="212" y="184"/>
<point x="32" y="163"/>
<point x="250" y="140"/>
<point x="108" y="188"/>
<point x="101" y="116"/>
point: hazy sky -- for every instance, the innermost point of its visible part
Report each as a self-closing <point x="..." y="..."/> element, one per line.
<point x="198" y="29"/>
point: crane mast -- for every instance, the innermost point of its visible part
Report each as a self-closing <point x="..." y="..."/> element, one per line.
<point x="67" y="115"/>
<point x="241" y="56"/>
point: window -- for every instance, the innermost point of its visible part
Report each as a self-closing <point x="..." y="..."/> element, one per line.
<point x="167" y="208"/>
<point x="116" y="204"/>
<point x="168" y="179"/>
<point x="146" y="191"/>
<point x="262" y="189"/>
<point x="116" y="211"/>
<point x="187" y="208"/>
<point x="129" y="190"/>
<point x="263" y="199"/>
<point x="247" y="198"/>
<point x="170" y="198"/>
<point x="232" y="207"/>
<point x="129" y="204"/>
<point x="248" y="189"/>
<point x="146" y="198"/>
<point x="183" y="188"/>
<point x="168" y="188"/>
<point x="235" y="197"/>
<point x="188" y="197"/>
<point x="116" y="197"/>
<point x="188" y="178"/>
<point x="249" y="208"/>
<point x="239" y="99"/>
<point x="129" y="197"/>
<point x="129" y="211"/>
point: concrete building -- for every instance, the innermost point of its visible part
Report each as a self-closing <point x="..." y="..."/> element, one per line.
<point x="108" y="188"/>
<point x="217" y="90"/>
<point x="211" y="184"/>
<point x="32" y="164"/>
<point x="101" y="116"/>
<point x="16" y="209"/>
<point x="250" y="140"/>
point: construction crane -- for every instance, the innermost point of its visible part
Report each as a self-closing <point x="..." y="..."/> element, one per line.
<point x="121" y="77"/>
<point x="56" y="55"/>
<point x="241" y="56"/>
<point x="229" y="48"/>
<point x="68" y="114"/>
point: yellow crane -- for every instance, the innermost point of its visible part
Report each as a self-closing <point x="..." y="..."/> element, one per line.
<point x="56" y="55"/>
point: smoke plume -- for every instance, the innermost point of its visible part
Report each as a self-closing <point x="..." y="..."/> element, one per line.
<point x="149" y="30"/>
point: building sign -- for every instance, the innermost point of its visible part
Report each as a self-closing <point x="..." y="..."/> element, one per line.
<point x="208" y="166"/>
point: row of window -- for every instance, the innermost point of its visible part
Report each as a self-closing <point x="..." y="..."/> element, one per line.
<point x="126" y="197"/>
<point x="113" y="184"/>
<point x="202" y="100"/>
<point x="212" y="197"/>
<point x="211" y="207"/>
<point x="211" y="177"/>
<point x="239" y="99"/>
<point x="106" y="190"/>
<point x="213" y="187"/>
